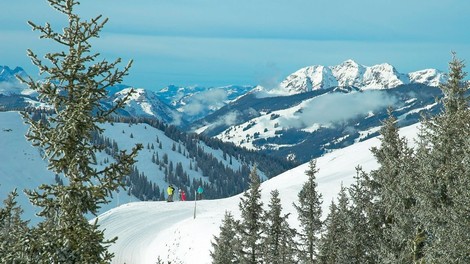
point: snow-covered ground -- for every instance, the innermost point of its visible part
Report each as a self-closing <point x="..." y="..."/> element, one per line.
<point x="148" y="230"/>
<point x="22" y="166"/>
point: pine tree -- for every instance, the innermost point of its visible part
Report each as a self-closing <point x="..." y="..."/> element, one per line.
<point x="251" y="225"/>
<point x="362" y="219"/>
<point x="73" y="86"/>
<point x="310" y="212"/>
<point x="279" y="244"/>
<point x="443" y="156"/>
<point x="14" y="232"/>
<point x="393" y="189"/>
<point x="335" y="245"/>
<point x="224" y="247"/>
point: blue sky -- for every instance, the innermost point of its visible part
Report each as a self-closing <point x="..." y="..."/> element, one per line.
<point x="214" y="43"/>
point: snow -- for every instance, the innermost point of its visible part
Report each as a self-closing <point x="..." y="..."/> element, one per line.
<point x="32" y="171"/>
<point x="22" y="166"/>
<point x="431" y="77"/>
<point x="309" y="116"/>
<point x="417" y="110"/>
<point x="350" y="73"/>
<point x="148" y="230"/>
<point x="366" y="133"/>
<point x="382" y="76"/>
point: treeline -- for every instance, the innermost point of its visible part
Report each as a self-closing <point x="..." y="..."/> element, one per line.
<point x="269" y="165"/>
<point x="222" y="180"/>
<point x="414" y="208"/>
<point x="264" y="235"/>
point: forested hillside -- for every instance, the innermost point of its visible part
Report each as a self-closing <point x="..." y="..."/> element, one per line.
<point x="186" y="160"/>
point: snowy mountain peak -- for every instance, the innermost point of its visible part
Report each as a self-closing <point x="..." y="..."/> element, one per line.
<point x="146" y="103"/>
<point x="9" y="84"/>
<point x="310" y="78"/>
<point x="351" y="73"/>
<point x="431" y="77"/>
<point x="383" y="76"/>
<point x="7" y="74"/>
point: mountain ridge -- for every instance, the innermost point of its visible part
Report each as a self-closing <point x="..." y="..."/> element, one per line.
<point x="183" y="105"/>
<point x="351" y="73"/>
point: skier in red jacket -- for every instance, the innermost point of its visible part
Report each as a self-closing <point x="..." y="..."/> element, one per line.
<point x="183" y="195"/>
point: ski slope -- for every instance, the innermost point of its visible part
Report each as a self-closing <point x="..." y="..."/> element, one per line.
<point x="22" y="166"/>
<point x="149" y="230"/>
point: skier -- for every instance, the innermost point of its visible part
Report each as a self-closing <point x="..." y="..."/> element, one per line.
<point x="170" y="191"/>
<point x="183" y="196"/>
<point x="199" y="192"/>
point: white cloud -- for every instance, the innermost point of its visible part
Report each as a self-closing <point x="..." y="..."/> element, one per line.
<point x="213" y="98"/>
<point x="337" y="108"/>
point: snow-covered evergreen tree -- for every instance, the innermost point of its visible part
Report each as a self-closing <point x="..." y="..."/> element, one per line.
<point x="362" y="215"/>
<point x="393" y="189"/>
<point x="309" y="213"/>
<point x="335" y="245"/>
<point x="443" y="189"/>
<point x="225" y="246"/>
<point x="14" y="232"/>
<point x="251" y="226"/>
<point x="73" y="84"/>
<point x="279" y="242"/>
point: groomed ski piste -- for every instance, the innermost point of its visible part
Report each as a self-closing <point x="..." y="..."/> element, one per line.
<point x="148" y="231"/>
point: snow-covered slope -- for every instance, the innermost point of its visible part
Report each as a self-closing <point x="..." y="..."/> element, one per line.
<point x="148" y="230"/>
<point x="306" y="125"/>
<point x="310" y="78"/>
<point x="146" y="103"/>
<point x="16" y="95"/>
<point x="350" y="73"/>
<point x="22" y="165"/>
<point x="431" y="77"/>
<point x="195" y="102"/>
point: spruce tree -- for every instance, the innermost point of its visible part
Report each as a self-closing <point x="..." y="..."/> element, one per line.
<point x="335" y="245"/>
<point x="443" y="155"/>
<point x="362" y="215"/>
<point x="251" y="226"/>
<point x="393" y="187"/>
<point x="279" y="242"/>
<point x="224" y="247"/>
<point x="309" y="214"/>
<point x="73" y="85"/>
<point x="14" y="232"/>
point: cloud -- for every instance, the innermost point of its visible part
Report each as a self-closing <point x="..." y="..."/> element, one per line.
<point x="228" y="119"/>
<point x="338" y="108"/>
<point x="204" y="101"/>
<point x="9" y="88"/>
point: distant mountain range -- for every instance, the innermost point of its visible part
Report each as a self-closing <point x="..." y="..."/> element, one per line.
<point x="350" y="73"/>
<point x="312" y="111"/>
<point x="307" y="125"/>
<point x="184" y="105"/>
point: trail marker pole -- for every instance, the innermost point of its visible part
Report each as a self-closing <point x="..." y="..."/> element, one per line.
<point x="195" y="200"/>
